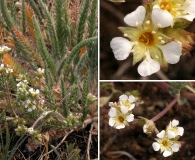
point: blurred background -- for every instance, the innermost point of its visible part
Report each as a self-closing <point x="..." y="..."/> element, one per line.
<point x="111" y="17"/>
<point x="131" y="143"/>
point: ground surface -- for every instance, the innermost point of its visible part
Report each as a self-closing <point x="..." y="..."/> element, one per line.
<point x="132" y="140"/>
<point x="111" y="17"/>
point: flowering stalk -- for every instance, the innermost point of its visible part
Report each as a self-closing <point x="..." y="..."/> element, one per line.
<point x="9" y="99"/>
<point x="43" y="115"/>
<point x="166" y="109"/>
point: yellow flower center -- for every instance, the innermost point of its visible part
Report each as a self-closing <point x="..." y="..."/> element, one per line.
<point x="165" y="143"/>
<point x="165" y="5"/>
<point x="121" y="119"/>
<point x="147" y="38"/>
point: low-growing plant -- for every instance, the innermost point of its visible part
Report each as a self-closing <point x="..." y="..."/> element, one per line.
<point x="48" y="64"/>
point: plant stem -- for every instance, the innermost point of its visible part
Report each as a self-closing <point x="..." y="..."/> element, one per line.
<point x="166" y="109"/>
<point x="188" y="95"/>
<point x="163" y="85"/>
<point x="9" y="99"/>
<point x="146" y="1"/>
<point x="45" y="114"/>
<point x="190" y="88"/>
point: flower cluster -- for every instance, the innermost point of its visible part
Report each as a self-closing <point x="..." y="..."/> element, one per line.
<point x="27" y="96"/>
<point x="121" y="112"/>
<point x="4" y="49"/>
<point x="5" y="69"/>
<point x="167" y="141"/>
<point x="156" y="41"/>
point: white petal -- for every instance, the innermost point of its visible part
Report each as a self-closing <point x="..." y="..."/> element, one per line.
<point x="180" y="131"/>
<point x="112" y="122"/>
<point x="167" y="153"/>
<point x="121" y="47"/>
<point x="136" y="17"/>
<point x="188" y="17"/>
<point x="110" y="104"/>
<point x="123" y="97"/>
<point x="156" y="146"/>
<point x="132" y="106"/>
<point x="124" y="109"/>
<point x="172" y="52"/>
<point x="175" y="147"/>
<point x="33" y="107"/>
<point x="189" y="6"/>
<point x="161" y="18"/>
<point x="148" y="67"/>
<point x="175" y="122"/>
<point x="120" y="126"/>
<point x="30" y="110"/>
<point x="171" y="134"/>
<point x="161" y="134"/>
<point x="145" y="127"/>
<point x="112" y="112"/>
<point x="130" y="118"/>
<point x="132" y="98"/>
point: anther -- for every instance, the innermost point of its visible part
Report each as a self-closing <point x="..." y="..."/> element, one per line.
<point x="147" y="22"/>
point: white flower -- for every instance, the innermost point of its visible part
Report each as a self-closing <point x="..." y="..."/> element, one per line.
<point x="30" y="105"/>
<point x="9" y="70"/>
<point x="126" y="103"/>
<point x="165" y="145"/>
<point x="149" y="126"/>
<point x="147" y="42"/>
<point x="173" y="130"/>
<point x="176" y="9"/>
<point x="4" y="49"/>
<point x="40" y="72"/>
<point x="30" y="130"/>
<point x="34" y="92"/>
<point x="1" y="67"/>
<point x="118" y="119"/>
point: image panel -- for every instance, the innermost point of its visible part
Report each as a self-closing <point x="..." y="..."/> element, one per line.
<point x="48" y="79"/>
<point x="149" y="39"/>
<point x="147" y="120"/>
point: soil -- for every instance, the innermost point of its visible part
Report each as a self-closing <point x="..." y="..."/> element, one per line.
<point x="131" y="140"/>
<point x="111" y="17"/>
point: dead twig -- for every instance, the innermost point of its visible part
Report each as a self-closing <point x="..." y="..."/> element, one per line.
<point x="124" y="153"/>
<point x="89" y="142"/>
<point x="59" y="144"/>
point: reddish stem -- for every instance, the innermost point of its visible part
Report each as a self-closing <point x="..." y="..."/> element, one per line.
<point x="187" y="95"/>
<point x="165" y="110"/>
<point x="146" y="1"/>
<point x="163" y="85"/>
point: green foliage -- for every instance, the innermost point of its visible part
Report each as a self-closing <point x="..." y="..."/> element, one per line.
<point x="175" y="87"/>
<point x="6" y="140"/>
<point x="85" y="92"/>
<point x="6" y="15"/>
<point x="13" y="10"/>
<point x="23" y="18"/>
<point x="72" y="152"/>
<point x="42" y="48"/>
<point x="50" y="29"/>
<point x="82" y="19"/>
<point x="66" y="61"/>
